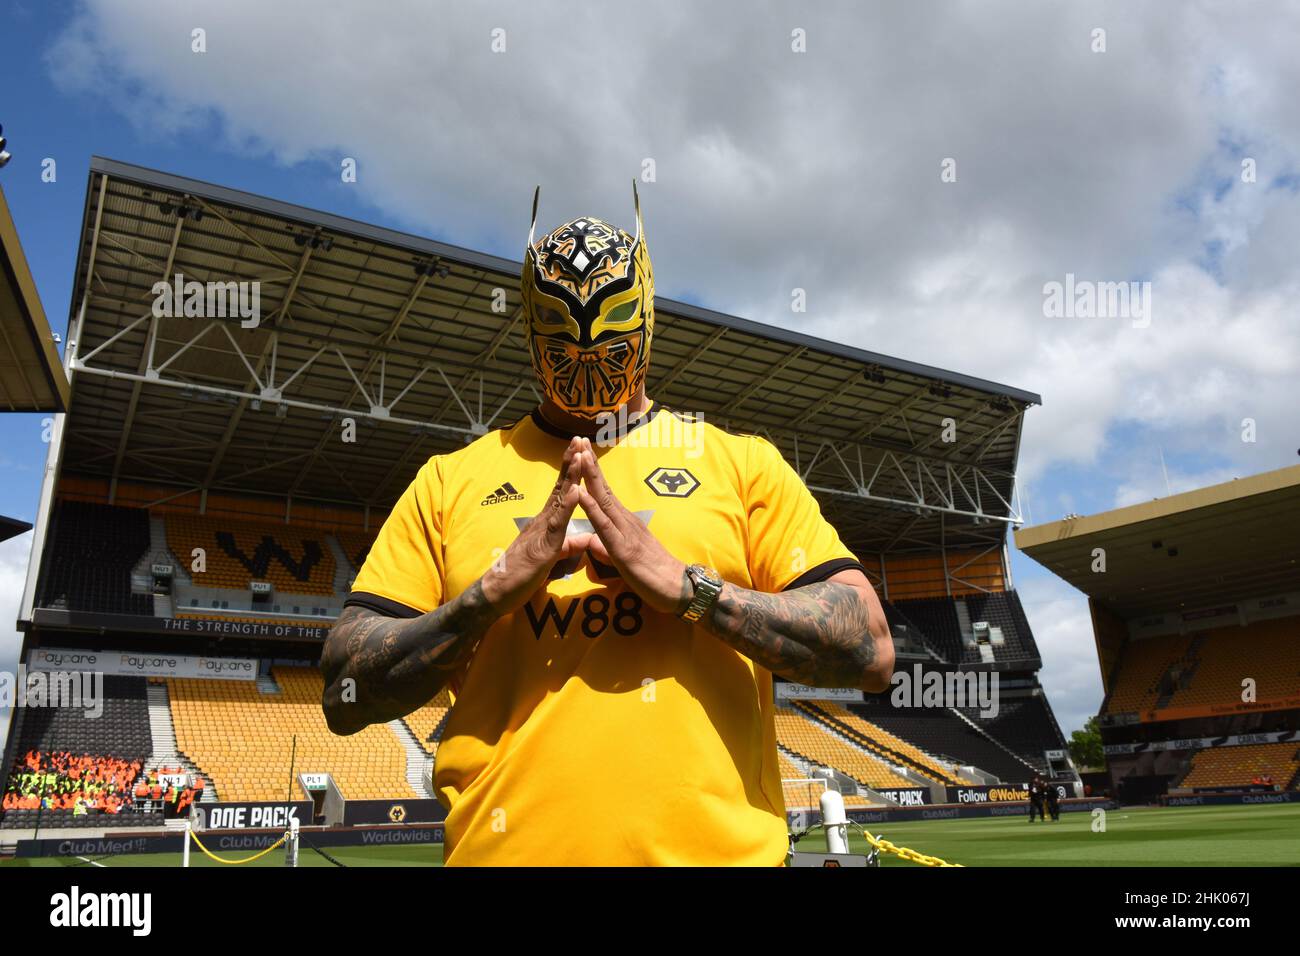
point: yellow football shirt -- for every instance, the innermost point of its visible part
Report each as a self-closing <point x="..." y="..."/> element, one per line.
<point x="589" y="729"/>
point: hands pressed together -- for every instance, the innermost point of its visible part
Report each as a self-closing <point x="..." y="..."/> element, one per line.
<point x="620" y="539"/>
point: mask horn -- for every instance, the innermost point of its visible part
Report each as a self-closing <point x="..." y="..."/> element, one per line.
<point x="636" y="202"/>
<point x="537" y="193"/>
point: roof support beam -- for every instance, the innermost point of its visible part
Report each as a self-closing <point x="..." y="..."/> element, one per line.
<point x="384" y="339"/>
<point x="143" y="366"/>
<point x="665" y="383"/>
<point x="747" y="392"/>
<point x="832" y="393"/>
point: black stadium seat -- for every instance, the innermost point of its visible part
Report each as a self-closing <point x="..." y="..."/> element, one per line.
<point x="121" y="731"/>
<point x="942" y="733"/>
<point x="90" y="553"/>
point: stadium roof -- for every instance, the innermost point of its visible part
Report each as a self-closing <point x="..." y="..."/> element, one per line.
<point x="399" y="333"/>
<point x="1215" y="545"/>
<point x="12" y="527"/>
<point x="31" y="376"/>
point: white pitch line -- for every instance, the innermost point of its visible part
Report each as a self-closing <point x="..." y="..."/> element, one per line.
<point x="91" y="862"/>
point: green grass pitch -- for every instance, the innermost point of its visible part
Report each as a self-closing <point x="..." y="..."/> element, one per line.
<point x="1139" y="836"/>
<point x="1183" y="836"/>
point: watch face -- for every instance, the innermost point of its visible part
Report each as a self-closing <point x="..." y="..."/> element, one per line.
<point x="708" y="574"/>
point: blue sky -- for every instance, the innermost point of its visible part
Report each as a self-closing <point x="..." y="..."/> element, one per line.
<point x="819" y="172"/>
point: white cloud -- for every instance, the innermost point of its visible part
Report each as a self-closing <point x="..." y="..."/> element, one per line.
<point x="1151" y="483"/>
<point x="1063" y="629"/>
<point x="819" y="171"/>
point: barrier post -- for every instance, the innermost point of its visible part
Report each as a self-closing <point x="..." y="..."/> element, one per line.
<point x="291" y="845"/>
<point x="834" y="821"/>
<point x="185" y="853"/>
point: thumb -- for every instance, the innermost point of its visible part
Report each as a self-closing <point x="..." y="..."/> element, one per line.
<point x="597" y="548"/>
<point x="575" y="544"/>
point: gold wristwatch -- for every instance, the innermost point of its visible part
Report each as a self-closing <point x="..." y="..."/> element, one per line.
<point x="708" y="585"/>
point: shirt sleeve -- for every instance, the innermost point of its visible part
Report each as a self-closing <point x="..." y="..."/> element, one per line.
<point x="403" y="574"/>
<point x="790" y="543"/>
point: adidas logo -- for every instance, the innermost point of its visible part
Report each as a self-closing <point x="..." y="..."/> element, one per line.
<point x="505" y="493"/>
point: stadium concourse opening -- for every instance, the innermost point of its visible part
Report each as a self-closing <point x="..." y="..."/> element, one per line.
<point x="200" y="524"/>
<point x="1195" y="602"/>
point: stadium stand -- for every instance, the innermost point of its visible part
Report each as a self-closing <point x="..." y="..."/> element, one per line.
<point x="122" y="730"/>
<point x="936" y="619"/>
<point x="795" y="795"/>
<point x="293" y="560"/>
<point x="93" y="549"/>
<point x="1217" y="660"/>
<point x="1025" y="725"/>
<point x="427" y="723"/>
<point x="799" y="735"/>
<point x="943" y="733"/>
<point x="63" y="789"/>
<point x="889" y="746"/>
<point x="242" y="739"/>
<point x="1196" y="623"/>
<point x="1207" y="667"/>
<point x="356" y="545"/>
<point x="939" y="620"/>
<point x="118" y="736"/>
<point x="896" y="617"/>
<point x="1003" y="609"/>
<point x="800" y="792"/>
<point x="1240" y="766"/>
<point x="1142" y="666"/>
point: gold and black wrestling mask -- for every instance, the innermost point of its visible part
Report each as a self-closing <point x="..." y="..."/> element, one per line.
<point x="588" y="299"/>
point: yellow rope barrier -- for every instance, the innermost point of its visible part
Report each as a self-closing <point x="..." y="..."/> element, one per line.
<point x="880" y="843"/>
<point x="279" y="842"/>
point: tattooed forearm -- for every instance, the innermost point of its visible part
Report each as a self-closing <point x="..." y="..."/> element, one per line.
<point x="820" y="634"/>
<point x="397" y="664"/>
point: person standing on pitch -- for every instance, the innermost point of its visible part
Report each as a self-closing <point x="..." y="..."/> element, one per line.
<point x="607" y="605"/>
<point x="1052" y="794"/>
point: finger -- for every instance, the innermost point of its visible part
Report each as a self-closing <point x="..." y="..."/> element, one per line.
<point x="563" y="502"/>
<point x="571" y="471"/>
<point x="600" y="521"/>
<point x="573" y="466"/>
<point x="571" y="457"/>
<point x="599" y="489"/>
<point x="570" y="474"/>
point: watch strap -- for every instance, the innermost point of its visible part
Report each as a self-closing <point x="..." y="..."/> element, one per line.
<point x="708" y="585"/>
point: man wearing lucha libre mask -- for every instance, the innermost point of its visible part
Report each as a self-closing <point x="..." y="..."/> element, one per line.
<point x="604" y="613"/>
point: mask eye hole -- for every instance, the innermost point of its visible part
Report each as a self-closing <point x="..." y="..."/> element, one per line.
<point x="622" y="313"/>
